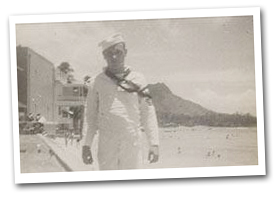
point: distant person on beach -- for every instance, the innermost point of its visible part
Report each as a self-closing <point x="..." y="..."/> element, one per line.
<point x="118" y="107"/>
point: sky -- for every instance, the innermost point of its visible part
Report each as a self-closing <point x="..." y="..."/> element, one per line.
<point x="208" y="60"/>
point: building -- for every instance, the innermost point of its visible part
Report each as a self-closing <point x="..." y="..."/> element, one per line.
<point x="46" y="90"/>
<point x="35" y="83"/>
<point x="69" y="104"/>
<point x="67" y="96"/>
<point x="61" y="76"/>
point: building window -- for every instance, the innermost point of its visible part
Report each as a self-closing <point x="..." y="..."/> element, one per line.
<point x="75" y="91"/>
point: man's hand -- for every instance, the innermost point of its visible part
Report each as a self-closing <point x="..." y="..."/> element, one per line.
<point x="87" y="156"/>
<point x="153" y="154"/>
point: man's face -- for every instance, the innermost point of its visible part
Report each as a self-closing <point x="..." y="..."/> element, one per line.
<point x="115" y="55"/>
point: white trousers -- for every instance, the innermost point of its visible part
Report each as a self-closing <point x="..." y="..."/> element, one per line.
<point x="120" y="153"/>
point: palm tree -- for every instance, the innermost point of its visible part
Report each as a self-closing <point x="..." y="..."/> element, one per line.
<point x="70" y="78"/>
<point x="65" y="68"/>
<point x="86" y="79"/>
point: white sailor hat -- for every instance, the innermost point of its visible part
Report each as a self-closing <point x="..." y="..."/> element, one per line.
<point x="115" y="39"/>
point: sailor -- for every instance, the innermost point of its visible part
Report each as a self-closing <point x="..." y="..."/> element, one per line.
<point x="118" y="108"/>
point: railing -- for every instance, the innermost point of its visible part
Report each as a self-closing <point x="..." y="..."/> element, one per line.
<point x="71" y="98"/>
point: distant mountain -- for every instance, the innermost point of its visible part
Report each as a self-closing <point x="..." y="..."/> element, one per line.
<point x="173" y="111"/>
<point x="166" y="102"/>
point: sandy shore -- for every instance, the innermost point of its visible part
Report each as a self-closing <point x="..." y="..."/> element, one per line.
<point x="207" y="146"/>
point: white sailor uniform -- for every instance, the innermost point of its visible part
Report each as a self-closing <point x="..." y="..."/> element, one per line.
<point x="119" y="116"/>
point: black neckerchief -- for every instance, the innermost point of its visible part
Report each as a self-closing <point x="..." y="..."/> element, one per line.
<point x="128" y="85"/>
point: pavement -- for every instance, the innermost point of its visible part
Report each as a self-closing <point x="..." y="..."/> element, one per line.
<point x="35" y="156"/>
<point x="69" y="154"/>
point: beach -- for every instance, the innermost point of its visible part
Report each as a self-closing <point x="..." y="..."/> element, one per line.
<point x="207" y="146"/>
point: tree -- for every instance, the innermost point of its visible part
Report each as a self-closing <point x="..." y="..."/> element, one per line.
<point x="65" y="68"/>
<point x="86" y="79"/>
<point x="70" y="78"/>
<point x="78" y="118"/>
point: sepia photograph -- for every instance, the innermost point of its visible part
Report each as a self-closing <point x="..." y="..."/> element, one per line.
<point x="137" y="95"/>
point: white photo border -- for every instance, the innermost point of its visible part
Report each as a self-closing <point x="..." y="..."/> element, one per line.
<point x="223" y="171"/>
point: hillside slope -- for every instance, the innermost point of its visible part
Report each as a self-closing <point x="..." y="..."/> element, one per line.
<point x="174" y="111"/>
